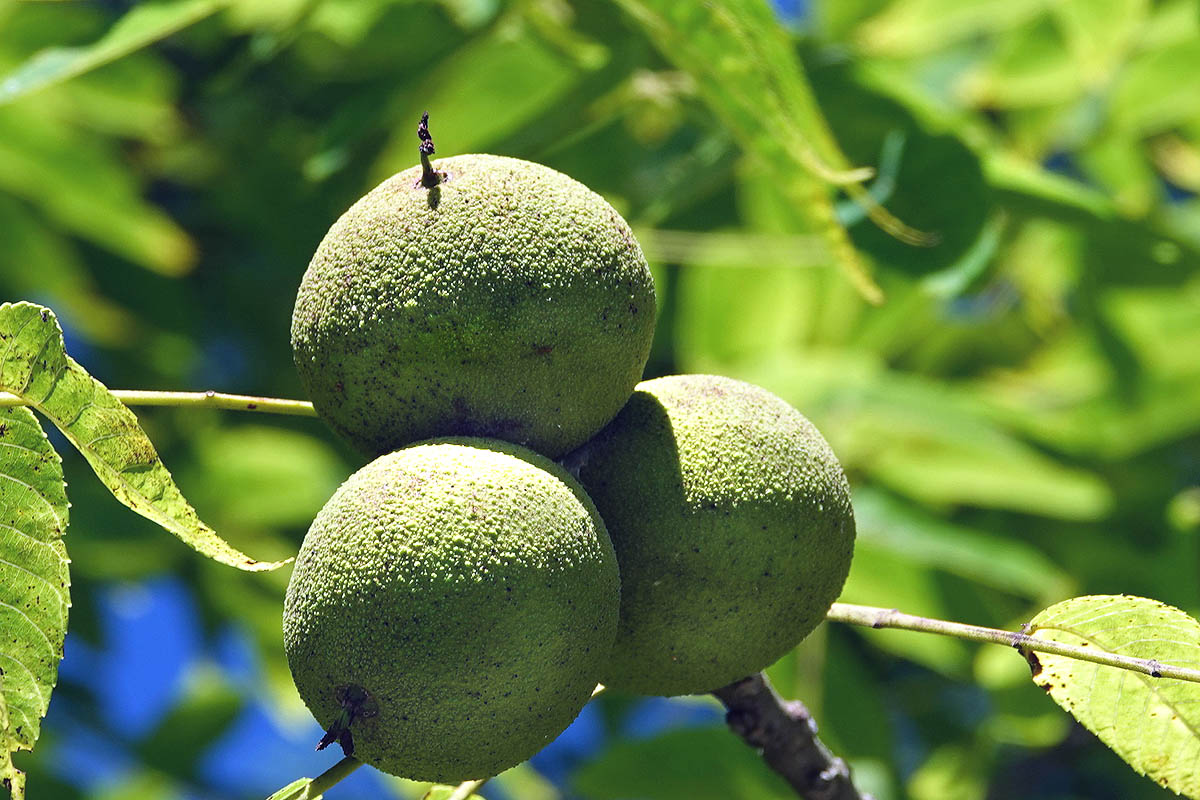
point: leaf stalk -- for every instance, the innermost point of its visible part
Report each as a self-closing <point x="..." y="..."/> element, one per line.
<point x="209" y="399"/>
<point x="1024" y="642"/>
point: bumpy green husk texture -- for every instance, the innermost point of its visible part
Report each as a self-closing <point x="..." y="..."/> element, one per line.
<point x="509" y="301"/>
<point x="732" y="523"/>
<point x="470" y="588"/>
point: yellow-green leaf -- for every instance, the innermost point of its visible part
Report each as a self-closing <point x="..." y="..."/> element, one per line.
<point x="34" y="582"/>
<point x="296" y="790"/>
<point x="1152" y="723"/>
<point x="34" y="365"/>
<point x="11" y="778"/>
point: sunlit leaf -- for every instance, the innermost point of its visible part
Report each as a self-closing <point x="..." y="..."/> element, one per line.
<point x="919" y="26"/>
<point x="950" y="771"/>
<point x="141" y="784"/>
<point x="38" y="261"/>
<point x="34" y="365"/>
<point x="34" y="580"/>
<point x="911" y="155"/>
<point x="527" y="783"/>
<point x="487" y="90"/>
<point x="1030" y="67"/>
<point x="746" y="71"/>
<point x="925" y="439"/>
<point x="1086" y="417"/>
<point x="296" y="790"/>
<point x="443" y="792"/>
<point x="263" y="476"/>
<point x="1038" y="190"/>
<point x="11" y="778"/>
<point x="81" y="183"/>
<point x="1152" y="723"/>
<point x="1119" y="163"/>
<point x="1099" y="32"/>
<point x="142" y="25"/>
<point x="733" y="249"/>
<point x="907" y="531"/>
<point x="1154" y="92"/>
<point x="881" y="578"/>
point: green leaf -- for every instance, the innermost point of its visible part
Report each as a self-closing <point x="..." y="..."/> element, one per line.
<point x="489" y="89"/>
<point x="1154" y="93"/>
<point x="952" y="770"/>
<point x="909" y="532"/>
<point x="296" y="790"/>
<point x="253" y="475"/>
<point x="139" y="784"/>
<point x="694" y="763"/>
<point x="747" y="73"/>
<point x="878" y="578"/>
<point x="1152" y="723"/>
<point x="34" y="365"/>
<point x="442" y="792"/>
<point x="924" y="438"/>
<point x="1031" y="67"/>
<point x="921" y="26"/>
<point x="527" y="783"/>
<point x="144" y="24"/>
<point x="82" y="185"/>
<point x="34" y="581"/>
<point x="1100" y="32"/>
<point x="37" y="259"/>
<point x="11" y="778"/>
<point x="912" y="154"/>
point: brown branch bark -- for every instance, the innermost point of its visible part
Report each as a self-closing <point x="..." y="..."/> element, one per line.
<point x="786" y="736"/>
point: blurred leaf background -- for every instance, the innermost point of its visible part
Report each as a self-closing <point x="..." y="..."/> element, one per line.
<point x="1020" y="419"/>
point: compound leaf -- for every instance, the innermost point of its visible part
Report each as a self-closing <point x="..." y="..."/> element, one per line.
<point x="34" y="583"/>
<point x="1152" y="723"/>
<point x="747" y="73"/>
<point x="34" y="365"/>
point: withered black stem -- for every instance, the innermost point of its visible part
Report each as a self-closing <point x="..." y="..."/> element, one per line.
<point x="429" y="176"/>
<point x="355" y="703"/>
<point x="785" y="735"/>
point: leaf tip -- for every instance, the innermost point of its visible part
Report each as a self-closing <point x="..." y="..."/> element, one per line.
<point x="248" y="564"/>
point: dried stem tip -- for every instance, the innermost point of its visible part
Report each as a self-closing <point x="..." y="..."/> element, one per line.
<point x="429" y="177"/>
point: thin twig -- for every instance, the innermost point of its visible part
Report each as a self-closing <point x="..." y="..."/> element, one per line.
<point x="872" y="617"/>
<point x="784" y="732"/>
<point x="230" y="402"/>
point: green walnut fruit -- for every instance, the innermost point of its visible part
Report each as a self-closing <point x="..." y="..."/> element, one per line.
<point x="506" y="301"/>
<point x="450" y="609"/>
<point x="733" y="529"/>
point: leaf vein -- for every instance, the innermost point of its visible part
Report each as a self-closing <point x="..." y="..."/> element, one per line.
<point x="40" y="496"/>
<point x="36" y="683"/>
<point x="36" y="627"/>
